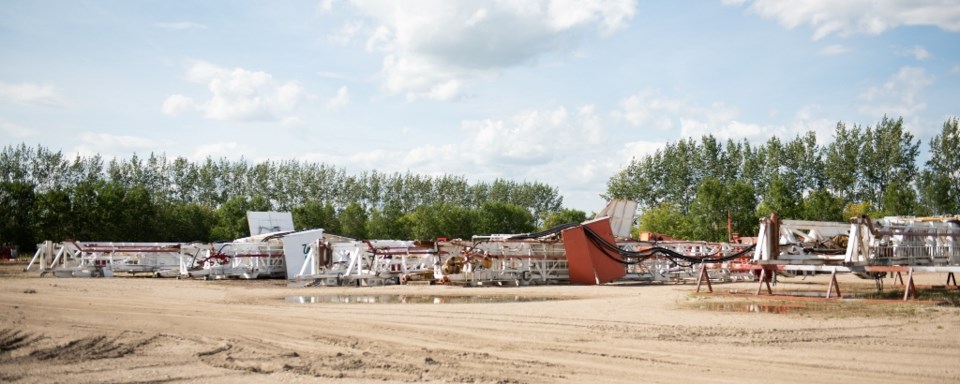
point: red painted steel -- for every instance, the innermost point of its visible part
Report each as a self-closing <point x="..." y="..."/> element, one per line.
<point x="587" y="263"/>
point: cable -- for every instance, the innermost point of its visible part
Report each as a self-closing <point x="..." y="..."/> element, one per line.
<point x="547" y="232"/>
<point x="674" y="256"/>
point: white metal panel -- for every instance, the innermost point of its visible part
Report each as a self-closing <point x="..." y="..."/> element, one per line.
<point x="295" y="250"/>
<point x="268" y="222"/>
<point x="621" y="213"/>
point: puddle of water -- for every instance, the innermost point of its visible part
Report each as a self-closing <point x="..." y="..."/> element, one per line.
<point x="821" y="294"/>
<point x="806" y="293"/>
<point x="411" y="299"/>
<point x="779" y="309"/>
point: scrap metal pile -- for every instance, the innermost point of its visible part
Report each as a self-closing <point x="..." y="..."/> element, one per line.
<point x="929" y="244"/>
<point x="599" y="251"/>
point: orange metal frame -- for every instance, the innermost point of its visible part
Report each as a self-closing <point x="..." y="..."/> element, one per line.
<point x="588" y="264"/>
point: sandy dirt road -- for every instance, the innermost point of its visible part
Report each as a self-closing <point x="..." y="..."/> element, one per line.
<point x="147" y="330"/>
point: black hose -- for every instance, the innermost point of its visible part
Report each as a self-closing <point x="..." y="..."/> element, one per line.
<point x="674" y="256"/>
<point x="276" y="236"/>
<point x="547" y="232"/>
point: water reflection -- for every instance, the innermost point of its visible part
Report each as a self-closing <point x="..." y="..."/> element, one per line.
<point x="411" y="299"/>
<point x="778" y="308"/>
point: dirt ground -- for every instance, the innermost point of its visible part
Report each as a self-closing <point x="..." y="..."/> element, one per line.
<point x="150" y="330"/>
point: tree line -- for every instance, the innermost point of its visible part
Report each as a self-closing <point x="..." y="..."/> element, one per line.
<point x="45" y="195"/>
<point x="688" y="188"/>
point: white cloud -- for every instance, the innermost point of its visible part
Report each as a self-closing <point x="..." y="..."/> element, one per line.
<point x="650" y="110"/>
<point x="292" y="121"/>
<point x="955" y="69"/>
<point x="425" y="156"/>
<point x="380" y="40"/>
<point x="45" y="95"/>
<point x="728" y="130"/>
<point x="340" y="100"/>
<point x="347" y="33"/>
<point x="110" y="145"/>
<point x="228" y="149"/>
<point x="849" y="17"/>
<point x="900" y="95"/>
<point x="533" y="137"/>
<point x="571" y="147"/>
<point x="568" y="145"/>
<point x="180" y="25"/>
<point x="638" y="149"/>
<point x="118" y="141"/>
<point x="13" y="130"/>
<point x="325" y="6"/>
<point x="834" y="49"/>
<point x="434" y="48"/>
<point x="610" y="16"/>
<point x="809" y="118"/>
<point x="478" y="17"/>
<point x="331" y="75"/>
<point x="176" y="104"/>
<point x="417" y="78"/>
<point x="237" y="94"/>
<point x="917" y="52"/>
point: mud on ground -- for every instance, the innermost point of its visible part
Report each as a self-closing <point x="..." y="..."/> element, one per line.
<point x="148" y="330"/>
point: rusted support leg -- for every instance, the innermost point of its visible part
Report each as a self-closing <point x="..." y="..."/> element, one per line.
<point x="834" y="285"/>
<point x="951" y="277"/>
<point x="896" y="278"/>
<point x="910" y="290"/>
<point x="764" y="279"/>
<point x="763" y="276"/>
<point x="704" y="276"/>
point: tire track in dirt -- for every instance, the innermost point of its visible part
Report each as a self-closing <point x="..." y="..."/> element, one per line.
<point x="92" y="348"/>
<point x="14" y="339"/>
<point x="359" y="358"/>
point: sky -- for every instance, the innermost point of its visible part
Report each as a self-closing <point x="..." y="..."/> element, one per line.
<point x="564" y="92"/>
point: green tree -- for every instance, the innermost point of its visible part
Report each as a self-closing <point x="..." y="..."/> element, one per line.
<point x="185" y="222"/>
<point x="667" y="219"/>
<point x="742" y="204"/>
<point x="231" y="217"/>
<point x="16" y="222"/>
<point x="52" y="214"/>
<point x="497" y="218"/>
<point x="388" y="223"/>
<point x="424" y="222"/>
<point x="708" y="213"/>
<point x="432" y="221"/>
<point x="899" y="199"/>
<point x="139" y="217"/>
<point x="564" y="216"/>
<point x="638" y="181"/>
<point x="803" y="163"/>
<point x="820" y="205"/>
<point x="113" y="216"/>
<point x="842" y="169"/>
<point x="154" y="198"/>
<point x="859" y="209"/>
<point x="782" y="197"/>
<point x="457" y="222"/>
<point x="889" y="156"/>
<point x="314" y="214"/>
<point x="939" y="182"/>
<point x="353" y="221"/>
<point x="86" y="214"/>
